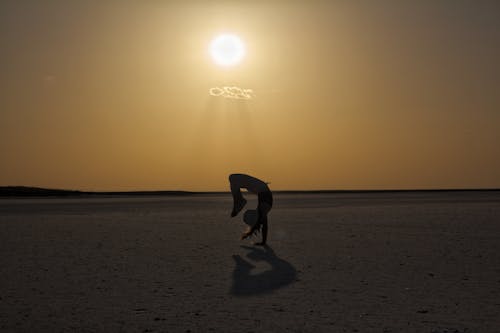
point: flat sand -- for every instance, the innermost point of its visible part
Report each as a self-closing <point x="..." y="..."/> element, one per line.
<point x="345" y="262"/>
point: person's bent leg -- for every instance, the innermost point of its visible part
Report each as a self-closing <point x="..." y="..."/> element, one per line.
<point x="238" y="201"/>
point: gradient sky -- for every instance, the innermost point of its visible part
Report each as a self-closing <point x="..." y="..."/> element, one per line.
<point x="113" y="95"/>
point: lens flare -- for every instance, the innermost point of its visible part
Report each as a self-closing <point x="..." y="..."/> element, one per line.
<point x="231" y="92"/>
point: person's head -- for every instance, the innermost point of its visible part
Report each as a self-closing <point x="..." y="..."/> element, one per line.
<point x="250" y="217"/>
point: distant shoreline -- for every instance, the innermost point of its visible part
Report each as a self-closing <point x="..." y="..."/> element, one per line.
<point x="26" y="191"/>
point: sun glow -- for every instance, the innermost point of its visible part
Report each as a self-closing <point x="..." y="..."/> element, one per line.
<point x="227" y="50"/>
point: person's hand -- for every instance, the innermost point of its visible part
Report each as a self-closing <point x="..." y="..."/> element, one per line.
<point x="245" y="235"/>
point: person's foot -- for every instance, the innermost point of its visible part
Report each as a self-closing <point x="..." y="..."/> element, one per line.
<point x="238" y="206"/>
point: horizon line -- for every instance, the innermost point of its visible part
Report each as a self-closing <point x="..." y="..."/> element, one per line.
<point x="8" y="191"/>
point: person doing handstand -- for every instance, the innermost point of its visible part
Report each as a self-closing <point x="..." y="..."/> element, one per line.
<point x="265" y="197"/>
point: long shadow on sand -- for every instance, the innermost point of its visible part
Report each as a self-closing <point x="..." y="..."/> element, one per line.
<point x="245" y="283"/>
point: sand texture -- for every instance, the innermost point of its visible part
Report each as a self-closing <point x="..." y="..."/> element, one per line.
<point x="348" y="262"/>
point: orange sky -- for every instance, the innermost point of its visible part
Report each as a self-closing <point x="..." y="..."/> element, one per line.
<point x="113" y="95"/>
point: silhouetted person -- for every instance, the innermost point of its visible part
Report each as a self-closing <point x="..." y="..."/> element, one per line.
<point x="265" y="197"/>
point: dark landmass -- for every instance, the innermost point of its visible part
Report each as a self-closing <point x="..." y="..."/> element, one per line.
<point x="388" y="191"/>
<point x="23" y="191"/>
<point x="26" y="191"/>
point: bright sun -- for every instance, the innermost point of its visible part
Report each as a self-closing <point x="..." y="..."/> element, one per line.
<point x="227" y="50"/>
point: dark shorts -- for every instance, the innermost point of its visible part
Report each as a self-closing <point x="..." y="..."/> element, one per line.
<point x="266" y="197"/>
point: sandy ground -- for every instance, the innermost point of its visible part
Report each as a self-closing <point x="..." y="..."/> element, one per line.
<point x="379" y="262"/>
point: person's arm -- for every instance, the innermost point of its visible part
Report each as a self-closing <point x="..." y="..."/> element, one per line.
<point x="264" y="234"/>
